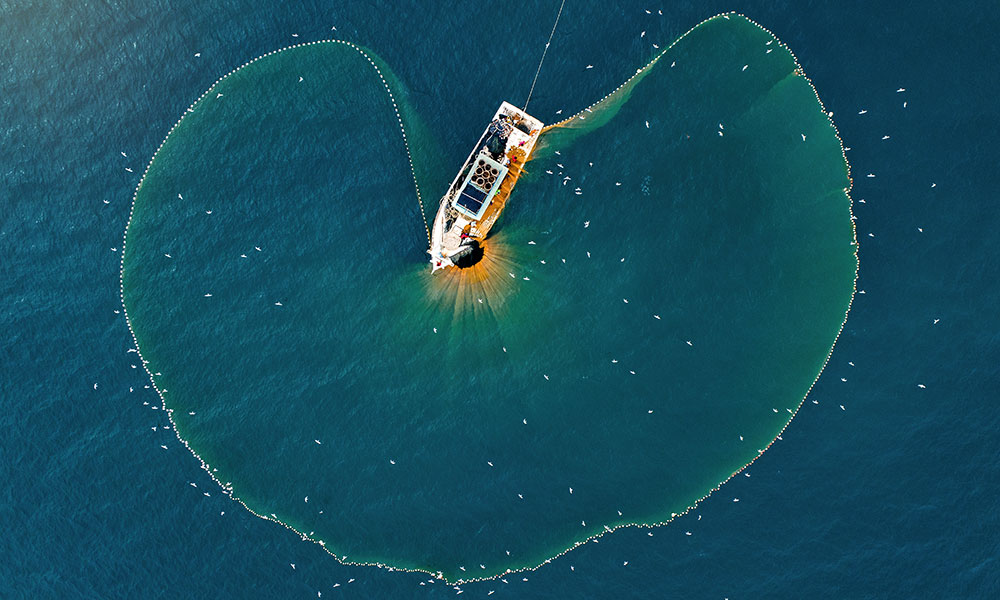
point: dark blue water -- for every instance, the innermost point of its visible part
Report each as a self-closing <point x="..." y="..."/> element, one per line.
<point x="892" y="497"/>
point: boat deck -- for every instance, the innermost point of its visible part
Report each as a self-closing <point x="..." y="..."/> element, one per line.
<point x="515" y="168"/>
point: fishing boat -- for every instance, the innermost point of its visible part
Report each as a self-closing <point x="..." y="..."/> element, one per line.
<point x="479" y="192"/>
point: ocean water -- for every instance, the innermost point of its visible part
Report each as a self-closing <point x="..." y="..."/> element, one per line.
<point x="893" y="496"/>
<point x="466" y="407"/>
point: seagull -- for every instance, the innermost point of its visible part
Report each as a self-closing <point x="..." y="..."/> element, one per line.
<point x="657" y="317"/>
<point x="306" y="499"/>
<point x="318" y="442"/>
<point x="803" y="136"/>
<point x="293" y="565"/>
<point x="168" y="256"/>
<point x="219" y="95"/>
<point x="885" y="137"/>
<point x="647" y="124"/>
<point x="590" y="66"/>
<point x="921" y="386"/>
<point x="128" y="169"/>
<point x="586" y="224"/>
<point x="125" y="155"/>
<point x="546" y="377"/>
<point x="745" y="67"/>
<point x="257" y="248"/>
<point x="489" y="463"/>
<point x="689" y="343"/>
<point x="862" y="111"/>
<point x="95" y="386"/>
<point x="278" y="304"/>
<point x="525" y="421"/>
<point x="571" y="490"/>
<point x="936" y="321"/>
<point x="300" y="80"/>
<point x="392" y="462"/>
<point x="208" y="295"/>
<point x="107" y="202"/>
<point x="900" y="90"/>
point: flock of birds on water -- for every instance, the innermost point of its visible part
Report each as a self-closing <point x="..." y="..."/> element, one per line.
<point x="392" y="461"/>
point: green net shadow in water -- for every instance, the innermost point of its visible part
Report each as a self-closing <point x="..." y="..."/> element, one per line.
<point x="453" y="417"/>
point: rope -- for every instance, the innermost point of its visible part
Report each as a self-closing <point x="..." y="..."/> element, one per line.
<point x="539" y="69"/>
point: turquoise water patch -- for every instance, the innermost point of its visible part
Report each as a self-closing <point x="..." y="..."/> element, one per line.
<point x="648" y="317"/>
